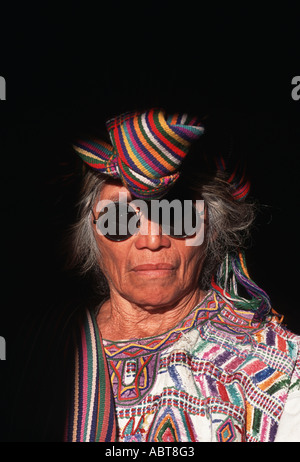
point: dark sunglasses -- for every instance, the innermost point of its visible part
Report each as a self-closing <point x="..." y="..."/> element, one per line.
<point x="118" y="221"/>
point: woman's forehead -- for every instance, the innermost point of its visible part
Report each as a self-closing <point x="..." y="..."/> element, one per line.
<point x="112" y="189"/>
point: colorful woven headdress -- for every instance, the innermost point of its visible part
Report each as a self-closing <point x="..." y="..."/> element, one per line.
<point x="147" y="150"/>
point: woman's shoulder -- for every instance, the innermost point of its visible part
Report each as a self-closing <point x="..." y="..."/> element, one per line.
<point x="268" y="330"/>
<point x="239" y="330"/>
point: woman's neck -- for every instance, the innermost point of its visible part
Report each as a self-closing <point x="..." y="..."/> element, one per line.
<point x="120" y="319"/>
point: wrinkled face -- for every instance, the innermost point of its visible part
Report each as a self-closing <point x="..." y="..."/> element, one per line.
<point x="150" y="269"/>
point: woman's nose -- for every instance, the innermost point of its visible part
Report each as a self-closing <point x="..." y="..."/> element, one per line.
<point x="150" y="236"/>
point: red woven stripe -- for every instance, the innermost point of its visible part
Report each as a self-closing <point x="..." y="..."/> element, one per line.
<point x="242" y="192"/>
<point x="162" y="138"/>
<point x="119" y="147"/>
<point x="97" y="166"/>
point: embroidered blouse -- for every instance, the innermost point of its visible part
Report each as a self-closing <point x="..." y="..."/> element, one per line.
<point x="217" y="376"/>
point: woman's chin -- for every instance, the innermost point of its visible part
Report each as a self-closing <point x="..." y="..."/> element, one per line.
<point x="152" y="300"/>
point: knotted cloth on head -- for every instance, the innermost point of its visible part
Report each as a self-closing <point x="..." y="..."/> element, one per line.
<point x="147" y="150"/>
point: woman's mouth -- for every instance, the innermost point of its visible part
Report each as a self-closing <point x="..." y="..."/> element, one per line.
<point x="154" y="269"/>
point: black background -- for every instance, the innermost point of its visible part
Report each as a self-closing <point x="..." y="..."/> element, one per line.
<point x="70" y="67"/>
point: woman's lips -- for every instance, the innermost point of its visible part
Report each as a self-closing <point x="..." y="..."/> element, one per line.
<point x="153" y="266"/>
<point x="154" y="269"/>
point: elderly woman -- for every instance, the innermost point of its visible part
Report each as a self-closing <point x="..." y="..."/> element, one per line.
<point x="184" y="346"/>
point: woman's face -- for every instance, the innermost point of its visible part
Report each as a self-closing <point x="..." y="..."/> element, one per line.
<point x="150" y="269"/>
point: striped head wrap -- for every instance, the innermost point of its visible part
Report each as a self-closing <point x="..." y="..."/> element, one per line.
<point x="146" y="152"/>
<point x="238" y="180"/>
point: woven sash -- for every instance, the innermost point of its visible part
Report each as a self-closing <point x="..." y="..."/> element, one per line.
<point x="91" y="416"/>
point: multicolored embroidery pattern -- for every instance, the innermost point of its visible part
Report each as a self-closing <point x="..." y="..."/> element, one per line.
<point x="218" y="376"/>
<point x="226" y="431"/>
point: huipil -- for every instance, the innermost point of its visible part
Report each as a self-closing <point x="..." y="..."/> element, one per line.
<point x="218" y="376"/>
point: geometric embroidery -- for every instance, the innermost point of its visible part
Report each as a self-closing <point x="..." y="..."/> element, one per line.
<point x="132" y="431"/>
<point x="226" y="432"/>
<point x="130" y="372"/>
<point x="166" y="431"/>
<point x="132" y="379"/>
<point x="171" y="424"/>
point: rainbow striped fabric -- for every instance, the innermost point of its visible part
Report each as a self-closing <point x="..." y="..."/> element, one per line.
<point x="91" y="414"/>
<point x="147" y="150"/>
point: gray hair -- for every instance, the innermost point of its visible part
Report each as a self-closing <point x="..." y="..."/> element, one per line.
<point x="226" y="231"/>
